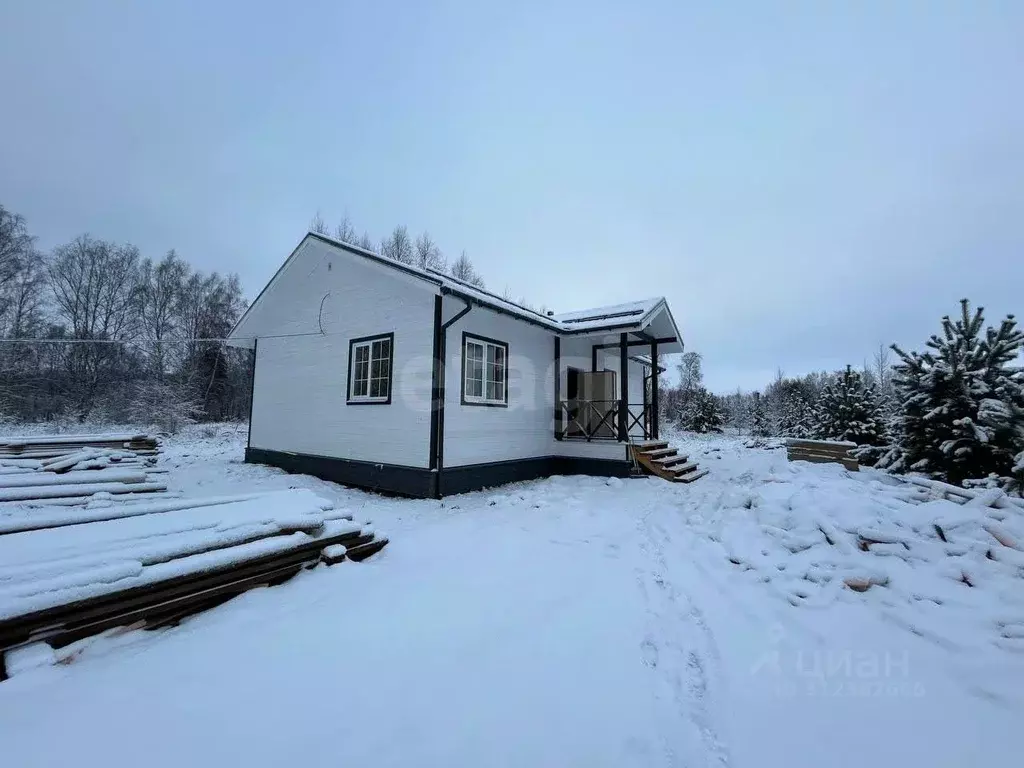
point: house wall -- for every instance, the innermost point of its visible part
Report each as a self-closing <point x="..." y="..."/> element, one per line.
<point x="299" y="392"/>
<point x="475" y="434"/>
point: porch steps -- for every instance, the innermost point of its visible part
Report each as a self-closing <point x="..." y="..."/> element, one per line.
<point x="659" y="458"/>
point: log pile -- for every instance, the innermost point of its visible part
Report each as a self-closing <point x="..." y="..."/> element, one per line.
<point x="74" y="468"/>
<point x="153" y="566"/>
<point x="54" y="446"/>
<point x="822" y="451"/>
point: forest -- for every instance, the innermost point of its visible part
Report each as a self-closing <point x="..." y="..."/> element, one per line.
<point x="954" y="411"/>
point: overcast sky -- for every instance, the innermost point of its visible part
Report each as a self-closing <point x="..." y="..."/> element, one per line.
<point x="802" y="180"/>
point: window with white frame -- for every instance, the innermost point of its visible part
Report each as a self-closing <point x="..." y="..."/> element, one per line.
<point x="369" y="369"/>
<point x="484" y="371"/>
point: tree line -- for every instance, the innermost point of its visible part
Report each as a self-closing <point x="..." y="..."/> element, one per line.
<point x="95" y="331"/>
<point x="954" y="412"/>
<point x="422" y="251"/>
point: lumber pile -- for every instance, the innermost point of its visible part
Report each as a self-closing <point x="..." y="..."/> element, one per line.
<point x="822" y="451"/>
<point x="75" y="468"/>
<point x="54" y="446"/>
<point x="154" y="565"/>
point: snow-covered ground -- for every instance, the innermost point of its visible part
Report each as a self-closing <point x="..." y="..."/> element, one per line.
<point x="574" y="622"/>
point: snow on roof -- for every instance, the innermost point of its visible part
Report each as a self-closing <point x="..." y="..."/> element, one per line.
<point x="582" y="321"/>
<point x="615" y="311"/>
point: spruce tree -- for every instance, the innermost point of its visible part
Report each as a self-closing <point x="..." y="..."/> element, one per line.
<point x="848" y="409"/>
<point x="962" y="401"/>
<point x="702" y="412"/>
<point x="758" y="419"/>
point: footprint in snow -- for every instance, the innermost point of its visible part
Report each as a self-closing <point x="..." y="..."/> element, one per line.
<point x="649" y="653"/>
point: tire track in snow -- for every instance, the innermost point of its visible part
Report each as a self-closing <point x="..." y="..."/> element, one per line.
<point x="679" y="648"/>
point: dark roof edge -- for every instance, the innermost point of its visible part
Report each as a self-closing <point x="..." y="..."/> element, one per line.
<point x="357" y="251"/>
<point x="353" y="249"/>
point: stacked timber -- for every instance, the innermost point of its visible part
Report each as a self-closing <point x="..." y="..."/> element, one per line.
<point x="63" y="578"/>
<point x="54" y="446"/>
<point x="822" y="451"/>
<point x="74" y="469"/>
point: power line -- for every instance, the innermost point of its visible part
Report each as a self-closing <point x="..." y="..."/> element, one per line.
<point x="160" y="341"/>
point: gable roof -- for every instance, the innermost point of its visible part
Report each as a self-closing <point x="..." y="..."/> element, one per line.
<point x="620" y="317"/>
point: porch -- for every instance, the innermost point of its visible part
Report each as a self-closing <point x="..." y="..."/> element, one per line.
<point x="606" y="386"/>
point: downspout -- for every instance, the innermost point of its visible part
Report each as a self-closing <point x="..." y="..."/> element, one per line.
<point x="438" y="375"/>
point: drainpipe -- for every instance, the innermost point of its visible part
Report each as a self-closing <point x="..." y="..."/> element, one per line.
<point x="440" y="349"/>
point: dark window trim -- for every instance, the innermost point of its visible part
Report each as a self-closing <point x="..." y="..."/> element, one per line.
<point x="466" y="335"/>
<point x="391" y="367"/>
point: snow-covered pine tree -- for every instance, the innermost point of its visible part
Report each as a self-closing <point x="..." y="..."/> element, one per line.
<point x="849" y="410"/>
<point x="702" y="412"/>
<point x="758" y="419"/>
<point x="962" y="401"/>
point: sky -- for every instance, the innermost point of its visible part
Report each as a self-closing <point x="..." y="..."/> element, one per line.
<point x="802" y="180"/>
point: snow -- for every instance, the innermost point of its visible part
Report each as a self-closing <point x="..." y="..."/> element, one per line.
<point x="619" y="312"/>
<point x="44" y="568"/>
<point x="570" y="621"/>
<point x="40" y="479"/>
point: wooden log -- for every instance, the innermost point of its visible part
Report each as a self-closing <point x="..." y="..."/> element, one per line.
<point x="360" y="552"/>
<point x="59" y="491"/>
<point x="40" y="520"/>
<point x="37" y="479"/>
<point x="108" y="610"/>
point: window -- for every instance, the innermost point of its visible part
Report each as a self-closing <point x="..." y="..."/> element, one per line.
<point x="484" y="371"/>
<point x="369" y="369"/>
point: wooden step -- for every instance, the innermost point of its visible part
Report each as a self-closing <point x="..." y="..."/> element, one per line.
<point x="651" y="445"/>
<point x="684" y="469"/>
<point x="690" y="477"/>
<point x="659" y="453"/>
<point x="668" y="461"/>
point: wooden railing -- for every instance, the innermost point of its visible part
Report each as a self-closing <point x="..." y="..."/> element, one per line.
<point x="599" y="420"/>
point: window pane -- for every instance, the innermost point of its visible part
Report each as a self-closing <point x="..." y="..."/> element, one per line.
<point x="492" y="392"/>
<point x="371" y="369"/>
<point x="475" y="388"/>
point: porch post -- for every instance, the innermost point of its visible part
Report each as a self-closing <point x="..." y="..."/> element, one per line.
<point x="624" y="388"/>
<point x="558" y="387"/>
<point x="654" y="390"/>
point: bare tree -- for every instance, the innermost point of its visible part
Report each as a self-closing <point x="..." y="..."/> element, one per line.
<point x="428" y="255"/>
<point x="463" y="269"/>
<point x="365" y="242"/>
<point x="159" y="296"/>
<point x="93" y="283"/>
<point x="344" y="231"/>
<point x="690" y="375"/>
<point x="398" y="246"/>
<point x="316" y="224"/>
<point x="882" y="370"/>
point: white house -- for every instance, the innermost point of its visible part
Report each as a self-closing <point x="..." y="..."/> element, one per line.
<point x="377" y="374"/>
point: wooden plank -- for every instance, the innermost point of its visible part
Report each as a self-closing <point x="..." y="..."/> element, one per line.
<point x="362" y="551"/>
<point x="85" y="489"/>
<point x="803" y="442"/>
<point x="95" y="606"/>
<point x="689" y="478"/>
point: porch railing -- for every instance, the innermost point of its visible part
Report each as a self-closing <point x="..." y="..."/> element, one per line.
<point x="599" y="420"/>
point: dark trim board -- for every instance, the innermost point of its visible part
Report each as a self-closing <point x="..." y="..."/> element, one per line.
<point x="252" y="390"/>
<point x="388" y="478"/>
<point x="422" y="483"/>
<point x="436" y="389"/>
<point x="475" y="477"/>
